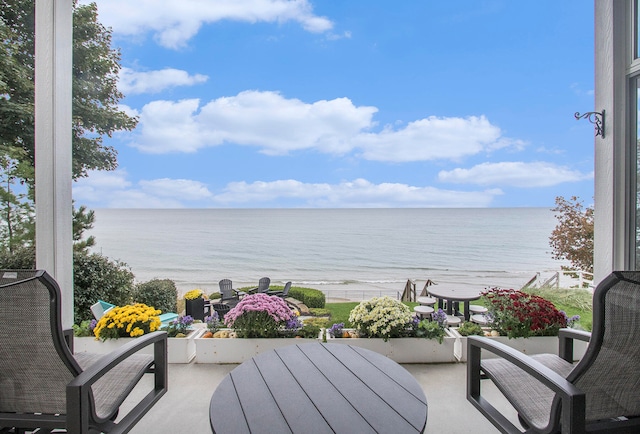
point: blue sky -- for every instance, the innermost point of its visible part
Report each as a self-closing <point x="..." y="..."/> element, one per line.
<point x="354" y="103"/>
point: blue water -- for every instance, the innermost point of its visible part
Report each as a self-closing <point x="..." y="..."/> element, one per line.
<point x="352" y="253"/>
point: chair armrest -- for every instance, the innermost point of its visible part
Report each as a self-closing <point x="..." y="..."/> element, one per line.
<point x="573" y="399"/>
<point x="566" y="337"/>
<point x="580" y="335"/>
<point x="79" y="389"/>
<point x="531" y="366"/>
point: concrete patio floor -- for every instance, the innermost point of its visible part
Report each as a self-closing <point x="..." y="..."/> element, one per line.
<point x="185" y="407"/>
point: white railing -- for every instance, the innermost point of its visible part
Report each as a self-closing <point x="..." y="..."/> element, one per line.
<point x="562" y="279"/>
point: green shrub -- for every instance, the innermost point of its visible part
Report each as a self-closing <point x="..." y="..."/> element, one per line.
<point x="215" y="296"/>
<point x="309" y="296"/>
<point x="309" y="331"/>
<point x="23" y="258"/>
<point x="85" y="329"/>
<point x="96" y="277"/>
<point x="430" y="330"/>
<point x="319" y="311"/>
<point x="159" y="293"/>
<point x="469" y="328"/>
<point x="320" y="322"/>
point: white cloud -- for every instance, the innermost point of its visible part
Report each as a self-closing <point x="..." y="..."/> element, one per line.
<point x="516" y="174"/>
<point x="114" y="190"/>
<point x="136" y="82"/>
<point x="432" y="138"/>
<point x="264" y="119"/>
<point x="359" y="193"/>
<point x="176" y="188"/>
<point x="278" y="126"/>
<point x="173" y="23"/>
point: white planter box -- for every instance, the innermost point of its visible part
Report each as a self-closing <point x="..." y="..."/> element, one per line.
<point x="237" y="350"/>
<point x="179" y="350"/>
<point x="533" y="345"/>
<point x="407" y="350"/>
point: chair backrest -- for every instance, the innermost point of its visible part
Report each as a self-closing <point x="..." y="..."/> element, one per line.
<point x="609" y="372"/>
<point x="287" y="287"/>
<point x="35" y="361"/>
<point x="263" y="284"/>
<point x="226" y="288"/>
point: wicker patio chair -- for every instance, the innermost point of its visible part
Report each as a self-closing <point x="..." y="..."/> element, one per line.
<point x="43" y="385"/>
<point x="600" y="393"/>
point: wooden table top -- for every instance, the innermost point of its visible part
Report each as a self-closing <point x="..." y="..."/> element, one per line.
<point x="318" y="388"/>
<point x="456" y="294"/>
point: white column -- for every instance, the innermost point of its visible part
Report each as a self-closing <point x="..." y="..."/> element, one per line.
<point x="613" y="213"/>
<point x="53" y="74"/>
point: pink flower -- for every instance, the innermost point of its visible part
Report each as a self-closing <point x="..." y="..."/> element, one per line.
<point x="275" y="307"/>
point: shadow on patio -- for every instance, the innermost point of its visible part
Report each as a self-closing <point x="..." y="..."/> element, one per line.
<point x="185" y="407"/>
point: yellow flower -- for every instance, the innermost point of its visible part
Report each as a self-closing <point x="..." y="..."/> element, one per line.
<point x="132" y="320"/>
<point x="193" y="294"/>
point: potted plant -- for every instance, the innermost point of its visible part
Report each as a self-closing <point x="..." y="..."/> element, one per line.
<point x="194" y="304"/>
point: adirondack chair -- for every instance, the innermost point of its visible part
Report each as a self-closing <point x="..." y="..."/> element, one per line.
<point x="282" y="294"/>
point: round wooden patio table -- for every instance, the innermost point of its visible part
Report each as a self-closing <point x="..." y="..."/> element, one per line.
<point x="318" y="388"/>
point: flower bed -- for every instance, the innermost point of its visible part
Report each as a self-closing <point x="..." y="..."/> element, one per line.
<point x="407" y="350"/>
<point x="179" y="350"/>
<point x="237" y="350"/>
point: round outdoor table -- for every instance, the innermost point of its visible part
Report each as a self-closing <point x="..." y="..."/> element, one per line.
<point x="318" y="388"/>
<point x="454" y="296"/>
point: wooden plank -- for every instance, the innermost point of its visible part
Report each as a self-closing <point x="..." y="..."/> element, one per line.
<point x="260" y="409"/>
<point x="382" y="383"/>
<point x="318" y="388"/>
<point x="400" y="376"/>
<point x="297" y="408"/>
<point x="339" y="368"/>
<point x="225" y="413"/>
<point x="335" y="408"/>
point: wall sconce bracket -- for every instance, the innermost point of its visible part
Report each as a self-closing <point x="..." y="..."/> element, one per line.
<point x="596" y="118"/>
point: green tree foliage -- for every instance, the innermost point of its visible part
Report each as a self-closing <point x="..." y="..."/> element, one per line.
<point x="17" y="217"/>
<point x="95" y="94"/>
<point x="96" y="277"/>
<point x="83" y="220"/>
<point x="572" y="238"/>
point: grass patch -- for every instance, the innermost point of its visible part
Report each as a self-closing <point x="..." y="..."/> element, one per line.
<point x="572" y="301"/>
<point x="317" y="311"/>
